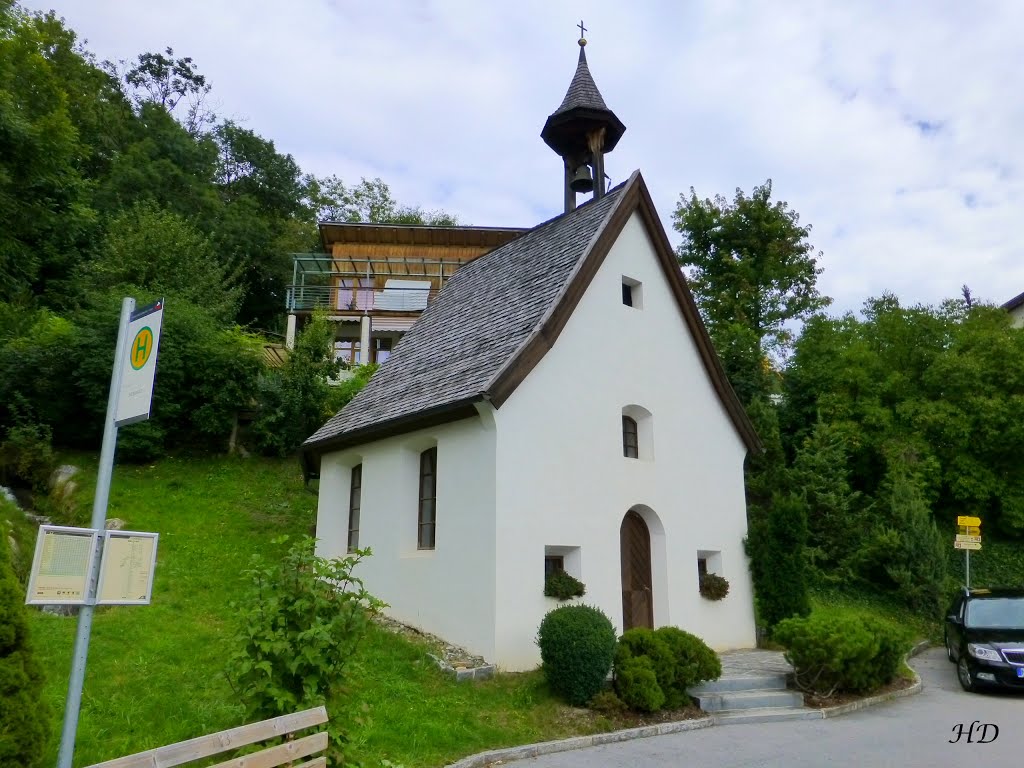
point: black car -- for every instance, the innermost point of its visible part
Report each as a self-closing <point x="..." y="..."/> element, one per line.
<point x="984" y="633"/>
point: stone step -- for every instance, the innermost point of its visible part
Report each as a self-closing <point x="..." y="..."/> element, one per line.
<point x="766" y="682"/>
<point x="766" y="715"/>
<point x="741" y="700"/>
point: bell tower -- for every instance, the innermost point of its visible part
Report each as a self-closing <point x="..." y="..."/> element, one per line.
<point x="582" y="131"/>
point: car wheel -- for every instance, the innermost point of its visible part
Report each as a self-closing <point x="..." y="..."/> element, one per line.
<point x="963" y="674"/>
<point x="949" y="650"/>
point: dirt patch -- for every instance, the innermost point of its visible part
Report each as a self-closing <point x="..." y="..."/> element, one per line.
<point x="820" y="702"/>
<point x="619" y="721"/>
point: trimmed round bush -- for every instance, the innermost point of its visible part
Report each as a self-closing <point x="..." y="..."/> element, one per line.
<point x="577" y="645"/>
<point x="695" y="662"/>
<point x="637" y="684"/>
<point x="832" y="654"/>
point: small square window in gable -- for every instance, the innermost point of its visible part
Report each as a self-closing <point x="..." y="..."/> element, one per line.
<point x="632" y="293"/>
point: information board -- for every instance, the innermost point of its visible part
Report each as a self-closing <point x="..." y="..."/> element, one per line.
<point x="61" y="566"/>
<point x="126" y="570"/>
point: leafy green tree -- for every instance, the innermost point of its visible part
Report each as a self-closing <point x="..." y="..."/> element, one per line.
<point x="160" y="78"/>
<point x="752" y="272"/>
<point x="206" y="374"/>
<point x="24" y="715"/>
<point x="42" y="211"/>
<point x="301" y="621"/>
<point x="160" y="161"/>
<point x="296" y="399"/>
<point x="946" y="383"/>
<point x="153" y="250"/>
<point x="369" y="201"/>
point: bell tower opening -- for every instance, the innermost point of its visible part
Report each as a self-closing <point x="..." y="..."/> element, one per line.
<point x="582" y="131"/>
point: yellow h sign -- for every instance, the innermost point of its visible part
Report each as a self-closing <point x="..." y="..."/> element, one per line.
<point x="142" y="347"/>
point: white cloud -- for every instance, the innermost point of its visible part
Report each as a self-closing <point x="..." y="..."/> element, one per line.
<point x="893" y="128"/>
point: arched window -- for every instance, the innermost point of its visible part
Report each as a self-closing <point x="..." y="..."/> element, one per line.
<point x="428" y="498"/>
<point x="355" y="492"/>
<point x="630" y="438"/>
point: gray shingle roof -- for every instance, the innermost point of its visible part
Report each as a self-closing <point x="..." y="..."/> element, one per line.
<point x="476" y="325"/>
<point x="582" y="90"/>
<point x="1013" y="303"/>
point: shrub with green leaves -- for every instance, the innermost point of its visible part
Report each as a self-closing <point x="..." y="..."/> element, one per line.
<point x="636" y="682"/>
<point x="641" y="642"/>
<point x="777" y="548"/>
<point x="695" y="660"/>
<point x="24" y="717"/>
<point x="677" y="658"/>
<point x="26" y="456"/>
<point x="577" y="644"/>
<point x="713" y="587"/>
<point x="837" y="654"/>
<point x="563" y="586"/>
<point x="301" y="623"/>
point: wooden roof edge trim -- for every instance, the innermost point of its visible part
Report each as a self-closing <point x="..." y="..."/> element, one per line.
<point x="544" y="335"/>
<point x="712" y="363"/>
<point x="431" y="417"/>
<point x="1013" y="303"/>
<point x="416" y="234"/>
<point x="421" y="227"/>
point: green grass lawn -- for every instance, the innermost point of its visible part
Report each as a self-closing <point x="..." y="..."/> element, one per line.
<point x="155" y="673"/>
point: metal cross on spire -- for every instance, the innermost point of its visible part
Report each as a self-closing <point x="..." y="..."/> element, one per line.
<point x="583" y="29"/>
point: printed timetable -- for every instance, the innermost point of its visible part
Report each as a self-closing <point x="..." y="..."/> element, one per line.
<point x="63" y="561"/>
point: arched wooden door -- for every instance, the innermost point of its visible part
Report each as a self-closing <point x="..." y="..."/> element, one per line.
<point x="637" y="599"/>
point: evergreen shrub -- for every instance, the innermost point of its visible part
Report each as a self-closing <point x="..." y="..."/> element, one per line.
<point x="637" y="684"/>
<point x="777" y="548"/>
<point x="694" y="659"/>
<point x="563" y="586"/>
<point x="713" y="587"/>
<point x="24" y="716"/>
<point x="577" y="644"/>
<point x="677" y="658"/>
<point x="838" y="654"/>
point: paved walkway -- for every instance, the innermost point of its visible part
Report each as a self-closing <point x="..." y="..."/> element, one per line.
<point x="754" y="663"/>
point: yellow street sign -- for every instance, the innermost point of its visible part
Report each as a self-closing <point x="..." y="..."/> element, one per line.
<point x="969" y="538"/>
<point x="965" y="520"/>
<point x="966" y="545"/>
<point x="969" y="530"/>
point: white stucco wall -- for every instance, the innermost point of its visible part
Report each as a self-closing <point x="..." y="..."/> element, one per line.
<point x="562" y="479"/>
<point x="448" y="590"/>
<point x="1018" y="316"/>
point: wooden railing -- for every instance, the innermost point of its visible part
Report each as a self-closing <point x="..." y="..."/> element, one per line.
<point x="227" y="741"/>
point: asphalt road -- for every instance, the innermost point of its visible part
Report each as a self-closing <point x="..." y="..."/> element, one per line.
<point x="907" y="733"/>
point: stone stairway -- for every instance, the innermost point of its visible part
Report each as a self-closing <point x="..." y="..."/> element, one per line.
<point x="752" y="688"/>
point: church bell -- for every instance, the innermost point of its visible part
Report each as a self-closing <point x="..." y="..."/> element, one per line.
<point x="582" y="180"/>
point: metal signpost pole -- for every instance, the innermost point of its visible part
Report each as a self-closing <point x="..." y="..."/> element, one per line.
<point x="99" y="518"/>
<point x="967" y="567"/>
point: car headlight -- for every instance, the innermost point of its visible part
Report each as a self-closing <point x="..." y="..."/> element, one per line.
<point x="983" y="652"/>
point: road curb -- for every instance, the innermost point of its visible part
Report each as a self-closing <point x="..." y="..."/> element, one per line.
<point x="497" y="756"/>
<point x="525" y="752"/>
<point x="871" y="701"/>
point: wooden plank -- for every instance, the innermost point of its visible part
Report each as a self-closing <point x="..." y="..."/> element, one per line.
<point x="319" y="762"/>
<point x="215" y="743"/>
<point x="274" y="757"/>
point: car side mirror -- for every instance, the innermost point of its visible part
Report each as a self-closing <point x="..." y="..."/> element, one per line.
<point x="953" y="618"/>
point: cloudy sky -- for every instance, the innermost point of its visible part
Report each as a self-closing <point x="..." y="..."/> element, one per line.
<point x="895" y="129"/>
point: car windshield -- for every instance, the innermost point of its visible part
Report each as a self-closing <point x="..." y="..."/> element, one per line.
<point x="996" y="612"/>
